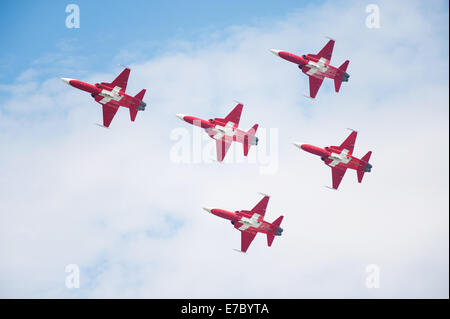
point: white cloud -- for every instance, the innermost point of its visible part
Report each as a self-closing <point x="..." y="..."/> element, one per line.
<point x="112" y="202"/>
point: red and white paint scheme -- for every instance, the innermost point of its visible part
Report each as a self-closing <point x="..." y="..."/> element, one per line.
<point x="339" y="158"/>
<point x="112" y="95"/>
<point x="251" y="222"/>
<point x="225" y="131"/>
<point x="317" y="67"/>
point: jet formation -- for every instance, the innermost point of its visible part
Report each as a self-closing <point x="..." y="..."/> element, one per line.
<point x="225" y="131"/>
<point x="112" y="95"/>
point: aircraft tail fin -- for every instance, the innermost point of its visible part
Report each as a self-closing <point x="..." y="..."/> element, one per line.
<point x="140" y="107"/>
<point x="250" y="139"/>
<point x="341" y="76"/>
<point x="278" y="221"/>
<point x="277" y="231"/>
<point x="366" y="157"/>
<point x="344" y="66"/>
<point x="140" y="95"/>
<point x="366" y="168"/>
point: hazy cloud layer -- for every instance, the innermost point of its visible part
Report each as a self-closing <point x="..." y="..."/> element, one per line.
<point x="112" y="202"/>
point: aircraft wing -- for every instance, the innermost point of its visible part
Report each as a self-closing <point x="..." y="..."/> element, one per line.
<point x="235" y="115"/>
<point x="327" y="50"/>
<point x="246" y="239"/>
<point x="260" y="208"/>
<point x="337" y="173"/>
<point x="314" y="86"/>
<point x="349" y="143"/>
<point x="122" y="80"/>
<point x="109" y="109"/>
<point x="222" y="146"/>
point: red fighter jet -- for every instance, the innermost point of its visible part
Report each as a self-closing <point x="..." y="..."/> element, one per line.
<point x="225" y="131"/>
<point x="112" y="95"/>
<point x="251" y="222"/>
<point x="317" y="67"/>
<point x="339" y="158"/>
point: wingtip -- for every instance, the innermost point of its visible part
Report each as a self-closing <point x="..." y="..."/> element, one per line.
<point x="101" y="125"/>
<point x="124" y="66"/>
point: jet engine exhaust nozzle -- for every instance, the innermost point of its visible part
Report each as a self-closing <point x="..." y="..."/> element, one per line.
<point x="345" y="77"/>
<point x="142" y="106"/>
<point x="368" y="168"/>
<point x="279" y="231"/>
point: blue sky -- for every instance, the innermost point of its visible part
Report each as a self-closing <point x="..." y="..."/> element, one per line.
<point x="31" y="29"/>
<point x="117" y="204"/>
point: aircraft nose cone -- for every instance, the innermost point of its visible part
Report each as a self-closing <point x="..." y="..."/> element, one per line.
<point x="207" y="209"/>
<point x="180" y="116"/>
<point x="276" y="52"/>
<point x="297" y="144"/>
<point x="66" y="80"/>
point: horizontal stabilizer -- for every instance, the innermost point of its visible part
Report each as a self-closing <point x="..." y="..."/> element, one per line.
<point x="337" y="83"/>
<point x="360" y="175"/>
<point x="270" y="238"/>
<point x="133" y="113"/>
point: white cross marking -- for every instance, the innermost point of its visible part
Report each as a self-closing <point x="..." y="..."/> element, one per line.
<point x="110" y="95"/>
<point x="339" y="158"/>
<point x="250" y="222"/>
<point x="319" y="66"/>
<point x="227" y="130"/>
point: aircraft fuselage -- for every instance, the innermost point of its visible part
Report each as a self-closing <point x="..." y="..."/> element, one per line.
<point x="108" y="93"/>
<point x="334" y="157"/>
<point x="218" y="130"/>
<point x="244" y="221"/>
